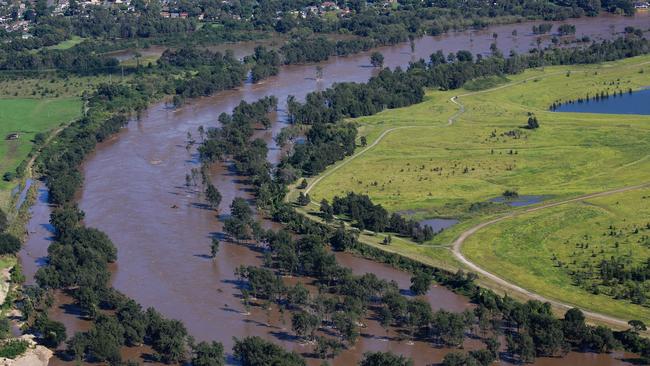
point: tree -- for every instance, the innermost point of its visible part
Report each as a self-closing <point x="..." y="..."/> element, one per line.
<point x="255" y="351"/>
<point x="9" y="244"/>
<point x="574" y="327"/>
<point x="304" y="324"/>
<point x="637" y="325"/>
<point x="52" y="332"/>
<point x="384" y="359"/>
<point x="208" y="354"/>
<point x="303" y="199"/>
<point x="532" y="123"/>
<point x="3" y="221"/>
<point x="212" y="195"/>
<point x="420" y="282"/>
<point x="377" y="59"/>
<point x="364" y="141"/>
<point x="522" y="346"/>
<point x="214" y="247"/>
<point x="327" y="212"/>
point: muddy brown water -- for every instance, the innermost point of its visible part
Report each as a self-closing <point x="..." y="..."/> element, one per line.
<point x="134" y="191"/>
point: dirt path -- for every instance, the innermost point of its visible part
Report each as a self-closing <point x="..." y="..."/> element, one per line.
<point x="458" y="243"/>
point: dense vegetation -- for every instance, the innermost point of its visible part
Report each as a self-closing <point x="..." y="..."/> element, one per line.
<point x="531" y="328"/>
<point x="366" y="215"/>
<point x="329" y="141"/>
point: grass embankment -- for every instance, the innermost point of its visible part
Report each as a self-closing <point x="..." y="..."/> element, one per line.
<point x="540" y="250"/>
<point x="432" y="169"/>
<point x="27" y="117"/>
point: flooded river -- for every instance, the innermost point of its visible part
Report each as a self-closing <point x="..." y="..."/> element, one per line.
<point x="135" y="192"/>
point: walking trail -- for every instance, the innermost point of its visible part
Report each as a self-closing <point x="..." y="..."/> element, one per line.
<point x="458" y="243"/>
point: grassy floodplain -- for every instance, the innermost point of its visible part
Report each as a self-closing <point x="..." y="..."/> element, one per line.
<point x="27" y="117"/>
<point x="528" y="249"/>
<point x="429" y="167"/>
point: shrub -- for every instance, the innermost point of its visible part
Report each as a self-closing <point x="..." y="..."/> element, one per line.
<point x="13" y="348"/>
<point x="9" y="244"/>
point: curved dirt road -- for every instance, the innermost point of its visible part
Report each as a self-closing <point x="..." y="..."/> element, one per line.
<point x="457" y="244"/>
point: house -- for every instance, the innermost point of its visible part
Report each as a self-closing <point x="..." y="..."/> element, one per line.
<point x="642" y="5"/>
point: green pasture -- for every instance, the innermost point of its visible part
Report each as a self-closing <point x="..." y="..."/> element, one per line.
<point x="27" y="117"/>
<point x="425" y="166"/>
<point x="527" y="249"/>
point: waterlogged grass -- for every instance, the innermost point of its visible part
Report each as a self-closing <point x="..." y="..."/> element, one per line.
<point x="526" y="249"/>
<point x="27" y="117"/>
<point x="429" y="168"/>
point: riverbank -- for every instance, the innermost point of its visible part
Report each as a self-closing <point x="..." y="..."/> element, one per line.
<point x="489" y="161"/>
<point x="134" y="192"/>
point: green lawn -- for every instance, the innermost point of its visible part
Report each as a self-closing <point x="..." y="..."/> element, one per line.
<point x="28" y="117"/>
<point x="442" y="169"/>
<point x="73" y="41"/>
<point x="526" y="249"/>
<point x="429" y="168"/>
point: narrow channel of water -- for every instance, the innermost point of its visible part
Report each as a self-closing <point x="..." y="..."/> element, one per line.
<point x="134" y="191"/>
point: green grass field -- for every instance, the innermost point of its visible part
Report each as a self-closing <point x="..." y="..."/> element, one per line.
<point x="428" y="168"/>
<point x="442" y="169"/>
<point x="28" y="117"/>
<point x="528" y="249"/>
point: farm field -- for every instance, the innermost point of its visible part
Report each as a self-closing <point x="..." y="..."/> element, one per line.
<point x="27" y="117"/>
<point x="442" y="159"/>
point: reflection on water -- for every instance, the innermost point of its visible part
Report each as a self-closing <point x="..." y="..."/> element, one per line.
<point x="438" y="224"/>
<point x="637" y="102"/>
<point x="520" y="201"/>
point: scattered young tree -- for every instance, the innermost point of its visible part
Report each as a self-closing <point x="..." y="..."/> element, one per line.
<point x="420" y="282"/>
<point x="208" y="354"/>
<point x="214" y="247"/>
<point x="303" y="199"/>
<point x="212" y="195"/>
<point x="384" y="359"/>
<point x="377" y="59"/>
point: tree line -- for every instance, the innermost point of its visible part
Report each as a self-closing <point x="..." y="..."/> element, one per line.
<point x="531" y="328"/>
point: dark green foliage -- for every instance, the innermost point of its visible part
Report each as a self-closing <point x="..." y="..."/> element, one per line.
<point x="566" y="29"/>
<point x="377" y="59"/>
<point x="303" y="199"/>
<point x="384" y="359"/>
<point x="327" y="212"/>
<point x="5" y="327"/>
<point x="167" y="337"/>
<point x="13" y="348"/>
<point x="208" y="354"/>
<point x="532" y="123"/>
<point x="52" y="333"/>
<point x="3" y="221"/>
<point x="9" y="244"/>
<point x="420" y="282"/>
<point x="265" y="63"/>
<point x="254" y="351"/>
<point x="212" y="195"/>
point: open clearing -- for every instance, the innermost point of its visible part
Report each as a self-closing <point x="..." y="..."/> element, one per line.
<point x="27" y="117"/>
<point x="430" y="167"/>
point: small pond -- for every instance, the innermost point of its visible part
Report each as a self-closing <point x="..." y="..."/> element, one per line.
<point x="637" y="102"/>
<point x="438" y="224"/>
<point x="520" y="201"/>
